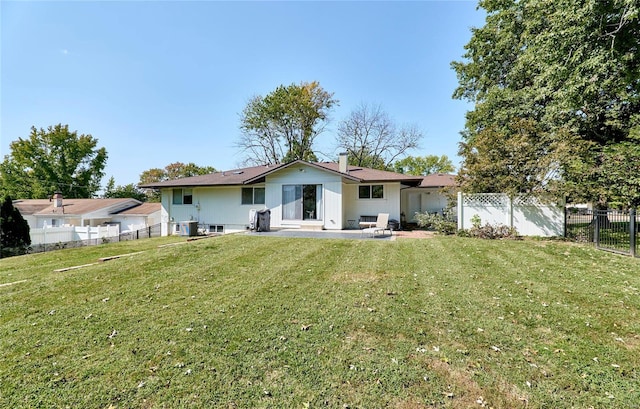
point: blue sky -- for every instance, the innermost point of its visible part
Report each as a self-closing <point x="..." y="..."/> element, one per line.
<point x="160" y="82"/>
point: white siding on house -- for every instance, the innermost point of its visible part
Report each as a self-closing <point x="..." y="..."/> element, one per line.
<point x="423" y="200"/>
<point x="132" y="222"/>
<point x="356" y="207"/>
<point x="331" y="217"/>
<point x="165" y="199"/>
<point x="333" y="206"/>
<point x="219" y="205"/>
<point x="223" y="206"/>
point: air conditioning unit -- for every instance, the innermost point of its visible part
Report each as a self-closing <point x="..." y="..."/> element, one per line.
<point x="189" y="228"/>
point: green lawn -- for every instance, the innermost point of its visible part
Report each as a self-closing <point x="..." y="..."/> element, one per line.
<point x="263" y="322"/>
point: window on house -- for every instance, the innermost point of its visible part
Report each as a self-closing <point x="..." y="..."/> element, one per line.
<point x="371" y="191"/>
<point x="252" y="195"/>
<point x="182" y="196"/>
<point x="302" y="202"/>
<point x="216" y="228"/>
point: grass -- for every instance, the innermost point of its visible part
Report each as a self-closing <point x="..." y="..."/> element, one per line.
<point x="263" y="322"/>
<point x="615" y="236"/>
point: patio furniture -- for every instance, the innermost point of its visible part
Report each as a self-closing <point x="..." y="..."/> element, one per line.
<point x="381" y="224"/>
<point x="367" y="221"/>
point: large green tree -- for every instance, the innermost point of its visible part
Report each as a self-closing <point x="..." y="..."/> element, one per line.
<point x="51" y="160"/>
<point x="113" y="191"/>
<point x="176" y="170"/>
<point x="566" y="74"/>
<point x="283" y="125"/>
<point x="372" y="139"/>
<point x="424" y="165"/>
<point x="14" y="230"/>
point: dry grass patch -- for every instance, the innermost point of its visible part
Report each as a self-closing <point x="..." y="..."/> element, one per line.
<point x="464" y="392"/>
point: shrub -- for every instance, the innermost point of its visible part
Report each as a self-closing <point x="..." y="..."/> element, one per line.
<point x="437" y="222"/>
<point x="489" y="231"/>
<point x="14" y="230"/>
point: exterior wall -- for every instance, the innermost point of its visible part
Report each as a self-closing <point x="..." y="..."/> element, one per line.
<point x="221" y="206"/>
<point x="356" y="207"/>
<point x="136" y="222"/>
<point x="94" y="222"/>
<point x="432" y="200"/>
<point x="165" y="217"/>
<point x="331" y="217"/>
<point x="42" y="222"/>
<point x="32" y="221"/>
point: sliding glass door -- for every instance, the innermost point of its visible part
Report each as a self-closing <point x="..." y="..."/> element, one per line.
<point x="302" y="202"/>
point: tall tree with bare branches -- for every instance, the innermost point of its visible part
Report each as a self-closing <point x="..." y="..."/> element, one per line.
<point x="372" y="139"/>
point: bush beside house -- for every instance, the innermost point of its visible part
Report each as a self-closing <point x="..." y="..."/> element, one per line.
<point x="14" y="230"/>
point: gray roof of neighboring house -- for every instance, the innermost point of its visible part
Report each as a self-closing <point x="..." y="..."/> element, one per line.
<point x="143" y="209"/>
<point x="28" y="207"/>
<point x="70" y="207"/>
<point x="256" y="174"/>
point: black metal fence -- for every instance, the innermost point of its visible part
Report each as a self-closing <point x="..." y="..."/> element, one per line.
<point x="147" y="232"/>
<point x="611" y="230"/>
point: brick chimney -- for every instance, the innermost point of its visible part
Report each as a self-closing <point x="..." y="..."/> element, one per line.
<point x="343" y="162"/>
<point x="57" y="199"/>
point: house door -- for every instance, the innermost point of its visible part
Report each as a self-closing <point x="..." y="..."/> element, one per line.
<point x="302" y="202"/>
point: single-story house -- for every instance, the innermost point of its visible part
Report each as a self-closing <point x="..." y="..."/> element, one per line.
<point x="299" y="194"/>
<point x="58" y="212"/>
<point x="137" y="217"/>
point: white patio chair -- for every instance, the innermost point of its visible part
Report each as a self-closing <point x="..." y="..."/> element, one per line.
<point x="382" y="224"/>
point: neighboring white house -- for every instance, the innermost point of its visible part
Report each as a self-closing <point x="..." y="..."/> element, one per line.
<point x="58" y="212"/>
<point x="137" y="217"/>
<point x="299" y="194"/>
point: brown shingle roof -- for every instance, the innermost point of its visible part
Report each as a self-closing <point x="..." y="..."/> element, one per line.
<point x="439" y="180"/>
<point x="371" y="175"/>
<point x="256" y="173"/>
<point x="226" y="178"/>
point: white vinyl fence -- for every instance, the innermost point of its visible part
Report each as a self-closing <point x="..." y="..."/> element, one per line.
<point x="50" y="235"/>
<point x="530" y="216"/>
